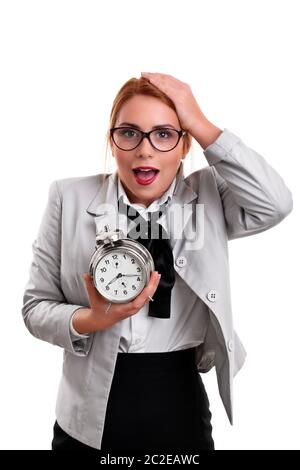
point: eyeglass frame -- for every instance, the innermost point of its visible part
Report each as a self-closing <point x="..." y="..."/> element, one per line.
<point x="180" y="133"/>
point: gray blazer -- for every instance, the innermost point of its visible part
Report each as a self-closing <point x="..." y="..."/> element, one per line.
<point x="241" y="195"/>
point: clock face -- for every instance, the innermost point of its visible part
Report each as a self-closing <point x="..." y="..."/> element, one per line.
<point x="119" y="276"/>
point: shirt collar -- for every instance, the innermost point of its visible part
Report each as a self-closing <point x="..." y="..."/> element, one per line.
<point x="154" y="206"/>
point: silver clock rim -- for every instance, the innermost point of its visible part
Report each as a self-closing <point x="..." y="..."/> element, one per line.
<point x="131" y="247"/>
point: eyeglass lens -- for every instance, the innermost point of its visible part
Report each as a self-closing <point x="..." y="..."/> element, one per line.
<point x="162" y="139"/>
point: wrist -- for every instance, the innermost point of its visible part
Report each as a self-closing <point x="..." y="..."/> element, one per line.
<point x="205" y="132"/>
<point x="83" y="321"/>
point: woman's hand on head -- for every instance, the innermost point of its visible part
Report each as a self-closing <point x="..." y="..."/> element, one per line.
<point x="187" y="108"/>
<point x="100" y="319"/>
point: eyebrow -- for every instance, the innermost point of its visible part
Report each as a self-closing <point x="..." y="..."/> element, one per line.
<point x="131" y="124"/>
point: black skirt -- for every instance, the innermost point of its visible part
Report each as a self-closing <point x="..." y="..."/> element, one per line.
<point x="157" y="402"/>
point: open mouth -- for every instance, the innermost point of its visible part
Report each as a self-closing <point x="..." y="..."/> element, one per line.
<point x="145" y="175"/>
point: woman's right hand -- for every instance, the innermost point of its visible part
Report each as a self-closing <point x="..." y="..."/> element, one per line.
<point x="96" y="318"/>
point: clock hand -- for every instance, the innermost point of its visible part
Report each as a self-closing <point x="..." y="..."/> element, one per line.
<point x="116" y="277"/>
<point x="130" y="275"/>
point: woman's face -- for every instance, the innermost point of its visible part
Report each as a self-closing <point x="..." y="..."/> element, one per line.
<point x="146" y="112"/>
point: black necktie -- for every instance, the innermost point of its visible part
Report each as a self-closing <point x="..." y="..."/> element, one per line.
<point x="154" y="237"/>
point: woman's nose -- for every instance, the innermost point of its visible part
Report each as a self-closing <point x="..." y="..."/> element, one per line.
<point x="145" y="147"/>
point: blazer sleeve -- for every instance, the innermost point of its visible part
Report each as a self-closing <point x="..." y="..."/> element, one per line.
<point x="253" y="194"/>
<point x="45" y="311"/>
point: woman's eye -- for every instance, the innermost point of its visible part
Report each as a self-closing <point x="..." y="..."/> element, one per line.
<point x="163" y="134"/>
<point x="128" y="133"/>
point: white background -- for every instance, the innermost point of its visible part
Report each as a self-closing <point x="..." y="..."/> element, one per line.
<point x="62" y="63"/>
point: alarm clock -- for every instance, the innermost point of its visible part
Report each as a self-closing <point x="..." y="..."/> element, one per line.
<point x="120" y="266"/>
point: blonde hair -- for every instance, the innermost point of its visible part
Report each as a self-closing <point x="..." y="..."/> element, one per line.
<point x="133" y="87"/>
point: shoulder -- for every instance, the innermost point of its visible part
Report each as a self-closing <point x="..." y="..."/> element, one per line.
<point x="78" y="185"/>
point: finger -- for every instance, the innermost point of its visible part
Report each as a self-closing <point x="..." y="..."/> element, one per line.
<point x="93" y="294"/>
<point x="162" y="77"/>
<point x="136" y="304"/>
<point x="151" y="287"/>
<point x="156" y="74"/>
<point x="155" y="77"/>
<point x="152" y="77"/>
<point x="143" y="297"/>
<point x="167" y="84"/>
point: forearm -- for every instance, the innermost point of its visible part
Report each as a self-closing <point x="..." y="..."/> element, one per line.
<point x="84" y="322"/>
<point x="205" y="132"/>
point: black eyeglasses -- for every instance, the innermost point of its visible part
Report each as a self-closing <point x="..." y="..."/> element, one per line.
<point x="163" y="139"/>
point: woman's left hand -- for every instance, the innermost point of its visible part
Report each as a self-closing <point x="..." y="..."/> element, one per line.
<point x="187" y="108"/>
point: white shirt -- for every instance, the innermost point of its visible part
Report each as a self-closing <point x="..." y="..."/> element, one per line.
<point x="188" y="323"/>
<point x="187" y="326"/>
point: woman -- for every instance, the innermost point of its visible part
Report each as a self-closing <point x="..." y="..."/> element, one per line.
<point x="130" y="376"/>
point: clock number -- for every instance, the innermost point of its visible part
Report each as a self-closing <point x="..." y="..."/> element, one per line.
<point x="125" y="292"/>
<point x="138" y="269"/>
<point x="132" y="260"/>
<point x="138" y="279"/>
<point x="133" y="287"/>
<point x="107" y="287"/>
<point x="101" y="279"/>
<point x="116" y="291"/>
<point x="115" y="256"/>
<point x="124" y="256"/>
<point x="107" y="261"/>
<point x="103" y="270"/>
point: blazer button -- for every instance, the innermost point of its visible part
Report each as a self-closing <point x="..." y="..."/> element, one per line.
<point x="230" y="345"/>
<point x="212" y="295"/>
<point x="181" y="261"/>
